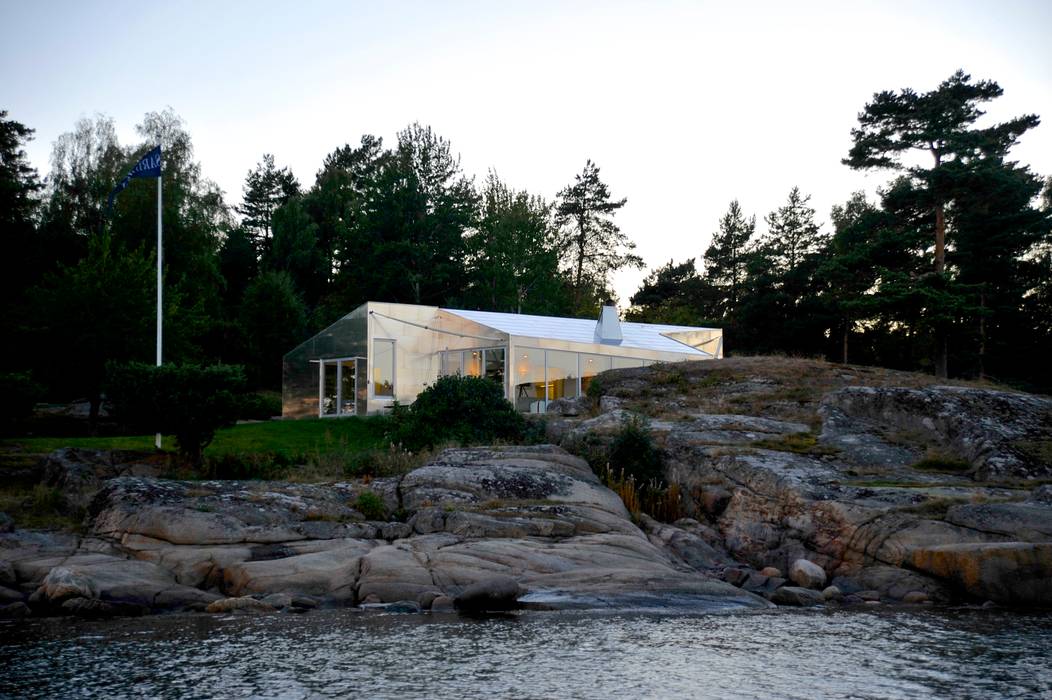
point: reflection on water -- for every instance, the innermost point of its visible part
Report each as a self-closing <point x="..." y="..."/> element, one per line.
<point x="341" y="653"/>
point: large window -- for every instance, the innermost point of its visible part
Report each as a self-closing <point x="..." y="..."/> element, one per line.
<point x="383" y="368"/>
<point x="495" y="365"/>
<point x="529" y="380"/>
<point x="541" y="376"/>
<point x="562" y="374"/>
<point x="472" y="363"/>
<point x="592" y="365"/>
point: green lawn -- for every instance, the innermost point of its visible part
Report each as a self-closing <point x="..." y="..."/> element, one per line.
<point x="293" y="438"/>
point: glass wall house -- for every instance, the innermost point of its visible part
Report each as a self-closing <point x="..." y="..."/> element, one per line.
<point x="381" y="353"/>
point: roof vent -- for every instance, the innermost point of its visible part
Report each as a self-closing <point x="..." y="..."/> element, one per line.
<point x="608" y="328"/>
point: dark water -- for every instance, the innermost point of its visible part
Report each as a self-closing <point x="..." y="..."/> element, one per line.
<point x="802" y="654"/>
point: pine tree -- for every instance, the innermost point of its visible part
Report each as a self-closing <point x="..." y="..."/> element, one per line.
<point x="266" y="189"/>
<point x="594" y="245"/>
<point x="513" y="255"/>
<point x="939" y="124"/>
<point x="792" y="234"/>
<point x="726" y="259"/>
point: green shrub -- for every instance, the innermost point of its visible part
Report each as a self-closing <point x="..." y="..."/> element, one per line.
<point x="466" y="410"/>
<point x="370" y="505"/>
<point x="373" y="463"/>
<point x="936" y="461"/>
<point x="188" y="401"/>
<point x="259" y="405"/>
<point x="20" y="393"/>
<point x="267" y="466"/>
<point x="633" y="454"/>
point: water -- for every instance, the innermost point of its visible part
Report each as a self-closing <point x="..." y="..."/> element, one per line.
<point x="348" y="653"/>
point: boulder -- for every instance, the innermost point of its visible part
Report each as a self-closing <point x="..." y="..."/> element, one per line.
<point x="62" y="583"/>
<point x="794" y="595"/>
<point x="443" y="604"/>
<point x="494" y="593"/>
<point x="831" y="593"/>
<point x="239" y="604"/>
<point x="1010" y="573"/>
<point x="14" y="611"/>
<point x="916" y="597"/>
<point x="807" y="574"/>
<point x="771" y="571"/>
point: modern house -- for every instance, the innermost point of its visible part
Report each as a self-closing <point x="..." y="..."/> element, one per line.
<point x="381" y="353"/>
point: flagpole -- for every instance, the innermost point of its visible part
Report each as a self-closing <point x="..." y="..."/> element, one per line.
<point x="160" y="262"/>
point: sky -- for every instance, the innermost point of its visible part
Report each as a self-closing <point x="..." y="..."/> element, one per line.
<point x="684" y="106"/>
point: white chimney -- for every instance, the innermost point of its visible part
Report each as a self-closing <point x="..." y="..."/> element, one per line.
<point x="608" y="328"/>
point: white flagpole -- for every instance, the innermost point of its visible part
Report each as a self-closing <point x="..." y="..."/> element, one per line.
<point x="160" y="319"/>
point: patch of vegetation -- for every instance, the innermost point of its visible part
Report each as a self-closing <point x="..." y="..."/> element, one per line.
<point x="465" y="410"/>
<point x="371" y="506"/>
<point x="268" y="466"/>
<point x="188" y="401"/>
<point x="633" y="453"/>
<point x="39" y="507"/>
<point x="797" y="443"/>
<point x="935" y="461"/>
<point x="934" y="508"/>
<point x="1038" y="450"/>
<point x="20" y="394"/>
<point x="259" y="405"/>
<point x="596" y="388"/>
<point x="393" y="461"/>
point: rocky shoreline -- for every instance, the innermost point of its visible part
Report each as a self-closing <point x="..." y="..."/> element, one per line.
<point x="822" y="500"/>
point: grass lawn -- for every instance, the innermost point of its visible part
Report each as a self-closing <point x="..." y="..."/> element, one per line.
<point x="292" y="438"/>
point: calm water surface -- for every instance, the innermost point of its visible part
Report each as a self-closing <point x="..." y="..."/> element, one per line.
<point x="347" y="653"/>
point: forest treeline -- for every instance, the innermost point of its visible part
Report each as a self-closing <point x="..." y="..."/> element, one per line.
<point x="949" y="270"/>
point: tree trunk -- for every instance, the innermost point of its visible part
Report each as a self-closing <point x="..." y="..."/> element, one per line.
<point x="982" y="334"/>
<point x="940" y="238"/>
<point x="847" y="330"/>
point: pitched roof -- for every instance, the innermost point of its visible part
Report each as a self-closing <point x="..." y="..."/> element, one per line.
<point x="642" y="336"/>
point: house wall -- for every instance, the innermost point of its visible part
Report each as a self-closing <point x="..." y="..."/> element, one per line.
<point x="416" y="348"/>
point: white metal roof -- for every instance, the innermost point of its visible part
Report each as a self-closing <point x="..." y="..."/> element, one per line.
<point x="643" y="336"/>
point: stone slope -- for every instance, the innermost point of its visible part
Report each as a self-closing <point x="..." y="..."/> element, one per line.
<point x="535" y="516"/>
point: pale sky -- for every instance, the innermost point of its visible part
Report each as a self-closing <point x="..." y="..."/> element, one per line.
<point x="683" y="105"/>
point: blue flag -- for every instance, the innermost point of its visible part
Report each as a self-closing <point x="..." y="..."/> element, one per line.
<point x="148" y="166"/>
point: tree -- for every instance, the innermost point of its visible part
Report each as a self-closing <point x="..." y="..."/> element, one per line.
<point x="91" y="313"/>
<point x="673" y="294"/>
<point x="405" y="241"/>
<point x="266" y="189"/>
<point x="513" y="253"/>
<point x="295" y="250"/>
<point x="24" y="259"/>
<point x="726" y="259"/>
<point x="274" y="319"/>
<point x="939" y="123"/>
<point x="792" y="234"/>
<point x="595" y="246"/>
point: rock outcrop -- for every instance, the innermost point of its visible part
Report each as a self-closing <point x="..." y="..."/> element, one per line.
<point x="481" y="529"/>
<point x="917" y="491"/>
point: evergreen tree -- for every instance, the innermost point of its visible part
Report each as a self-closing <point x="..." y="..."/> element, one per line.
<point x="25" y="259"/>
<point x="673" y="294"/>
<point x="295" y="250"/>
<point x="594" y="245"/>
<point x="513" y="254"/>
<point x="91" y="313"/>
<point x="266" y="189"/>
<point x="274" y="320"/>
<point x="792" y="235"/>
<point x="726" y="259"/>
<point x="939" y="124"/>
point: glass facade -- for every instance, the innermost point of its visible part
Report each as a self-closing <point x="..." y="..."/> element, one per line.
<point x="561" y="379"/>
<point x="529" y="388"/>
<point x="383" y="367"/>
<point x="473" y="363"/>
<point x="592" y="365"/>
<point x="494" y="367"/>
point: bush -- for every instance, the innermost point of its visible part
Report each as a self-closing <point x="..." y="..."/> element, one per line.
<point x="20" y="393"/>
<point x="466" y="410"/>
<point x="374" y="463"/>
<point x="633" y="454"/>
<point x="259" y="405"/>
<point x="266" y="466"/>
<point x="188" y="401"/>
<point x="370" y="505"/>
